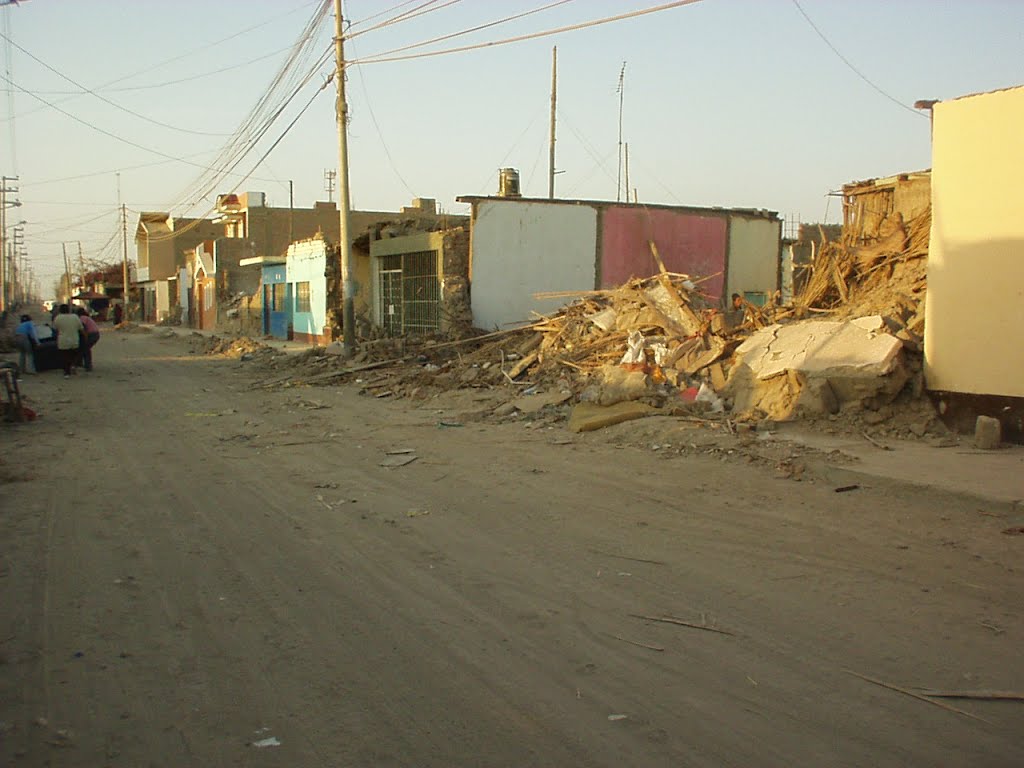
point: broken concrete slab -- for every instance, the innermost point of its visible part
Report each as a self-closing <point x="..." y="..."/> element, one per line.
<point x="587" y="417"/>
<point x="861" y="346"/>
<point x="858" y="360"/>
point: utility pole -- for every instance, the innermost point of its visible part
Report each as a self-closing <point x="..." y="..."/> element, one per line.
<point x="344" y="200"/>
<point x="5" y="287"/>
<point x="67" y="275"/>
<point x="622" y="94"/>
<point x="554" y="102"/>
<point x="124" y="264"/>
<point x="627" y="171"/>
<point x="3" y="243"/>
<point x="124" y="244"/>
<point x="291" y="211"/>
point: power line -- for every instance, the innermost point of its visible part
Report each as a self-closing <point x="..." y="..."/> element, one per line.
<point x="386" y="56"/>
<point x="10" y="93"/>
<point x="419" y="10"/>
<point x="478" y="28"/>
<point x="197" y="221"/>
<point x="185" y="55"/>
<point x="849" y="64"/>
<point x="108" y="172"/>
<point x="381" y="13"/>
<point x="264" y="112"/>
<point x="104" y="98"/>
<point x="105" y="132"/>
<point x="380" y="134"/>
<point x="166" y="83"/>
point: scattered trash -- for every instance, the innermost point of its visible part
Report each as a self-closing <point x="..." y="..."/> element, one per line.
<point x="417" y="512"/>
<point x="847" y="488"/>
<point x="448" y="424"/>
<point x="613" y="718"/>
<point x="682" y="623"/>
<point x="398" y="461"/>
<point x="401" y="451"/>
<point x="271" y="741"/>
<point x="911" y="694"/>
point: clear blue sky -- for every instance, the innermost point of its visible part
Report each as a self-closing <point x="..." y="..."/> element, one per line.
<point x="727" y="102"/>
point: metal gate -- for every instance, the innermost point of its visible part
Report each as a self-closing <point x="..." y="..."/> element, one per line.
<point x="391" y="295"/>
<point x="410" y="293"/>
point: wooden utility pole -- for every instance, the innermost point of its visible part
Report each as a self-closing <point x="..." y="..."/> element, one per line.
<point x="3" y="243"/>
<point x="622" y="93"/>
<point x="5" y="267"/>
<point x="344" y="199"/>
<point x="554" y="102"/>
<point x="67" y="275"/>
<point x="124" y="263"/>
<point x="627" y="171"/>
<point x="291" y="212"/>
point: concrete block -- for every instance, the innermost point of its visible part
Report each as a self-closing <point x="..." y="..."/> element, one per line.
<point x="988" y="433"/>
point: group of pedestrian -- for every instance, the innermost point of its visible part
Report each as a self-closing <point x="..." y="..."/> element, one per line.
<point x="77" y="334"/>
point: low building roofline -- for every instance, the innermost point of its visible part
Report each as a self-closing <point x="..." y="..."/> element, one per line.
<point x="762" y="213"/>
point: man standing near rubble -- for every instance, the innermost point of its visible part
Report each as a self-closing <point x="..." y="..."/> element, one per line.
<point x="736" y="315"/>
<point x="69" y="330"/>
<point x="89" y="339"/>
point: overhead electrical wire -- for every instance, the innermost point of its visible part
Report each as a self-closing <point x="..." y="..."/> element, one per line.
<point x="478" y="28"/>
<point x="386" y="56"/>
<point x="245" y="177"/>
<point x="262" y="115"/>
<point x="238" y="156"/>
<point x="380" y="135"/>
<point x="421" y="10"/>
<point x="104" y="99"/>
<point x="181" y="56"/>
<point x="377" y="15"/>
<point x="105" y="132"/>
<point x="852" y="68"/>
<point x="108" y="172"/>
<point x="166" y="83"/>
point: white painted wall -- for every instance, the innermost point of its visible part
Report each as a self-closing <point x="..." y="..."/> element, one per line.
<point x="522" y="248"/>
<point x="753" y="256"/>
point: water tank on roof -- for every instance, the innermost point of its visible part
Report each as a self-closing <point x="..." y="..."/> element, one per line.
<point x="508" y="182"/>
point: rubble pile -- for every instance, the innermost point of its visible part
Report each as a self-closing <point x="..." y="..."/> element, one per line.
<point x="129" y="327"/>
<point x="242" y="347"/>
<point x="885" y="275"/>
<point x="847" y="350"/>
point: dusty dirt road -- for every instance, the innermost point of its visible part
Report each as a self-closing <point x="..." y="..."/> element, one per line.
<point x="191" y="568"/>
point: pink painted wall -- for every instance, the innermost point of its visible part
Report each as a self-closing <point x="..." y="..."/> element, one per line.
<point x="688" y="243"/>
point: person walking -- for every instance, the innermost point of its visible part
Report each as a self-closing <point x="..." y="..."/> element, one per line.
<point x="26" y="340"/>
<point x="92" y="335"/>
<point x="69" y="331"/>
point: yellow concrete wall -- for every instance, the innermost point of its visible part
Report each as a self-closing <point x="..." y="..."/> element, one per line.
<point x="974" y="321"/>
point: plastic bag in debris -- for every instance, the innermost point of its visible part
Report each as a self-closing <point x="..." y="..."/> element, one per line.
<point x="634" y="350"/>
<point x="660" y="353"/>
<point x="707" y="395"/>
